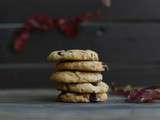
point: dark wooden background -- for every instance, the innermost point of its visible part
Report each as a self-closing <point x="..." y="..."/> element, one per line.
<point x="130" y="44"/>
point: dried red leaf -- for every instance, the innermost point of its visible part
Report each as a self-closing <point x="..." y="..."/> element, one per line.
<point x="21" y="41"/>
<point x="69" y="26"/>
<point x="122" y="91"/>
<point x="43" y="23"/>
<point x="139" y="96"/>
<point x="144" y="95"/>
<point x="106" y="2"/>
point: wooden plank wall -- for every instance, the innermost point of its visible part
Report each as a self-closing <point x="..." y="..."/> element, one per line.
<point x="130" y="44"/>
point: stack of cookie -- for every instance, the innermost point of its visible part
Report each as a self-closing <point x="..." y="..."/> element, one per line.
<point x="78" y="76"/>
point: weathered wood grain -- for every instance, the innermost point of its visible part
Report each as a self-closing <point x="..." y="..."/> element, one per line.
<point x="120" y="43"/>
<point x="120" y="9"/>
<point x="39" y="77"/>
<point x="40" y="104"/>
<point x="130" y="45"/>
<point x="131" y="50"/>
<point x="56" y="8"/>
<point x="135" y="10"/>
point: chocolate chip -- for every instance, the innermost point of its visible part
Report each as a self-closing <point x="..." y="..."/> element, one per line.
<point x="62" y="93"/>
<point x="93" y="97"/>
<point x="60" y="53"/>
<point x="95" y="83"/>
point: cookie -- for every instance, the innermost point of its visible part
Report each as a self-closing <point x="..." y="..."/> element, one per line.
<point x="76" y="77"/>
<point x="99" y="87"/>
<point x="82" y="98"/>
<point x="94" y="66"/>
<point x="64" y="55"/>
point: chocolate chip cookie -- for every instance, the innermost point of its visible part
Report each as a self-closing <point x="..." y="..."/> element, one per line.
<point x="82" y="98"/>
<point x="99" y="87"/>
<point x="76" y="77"/>
<point x="94" y="66"/>
<point x="65" y="55"/>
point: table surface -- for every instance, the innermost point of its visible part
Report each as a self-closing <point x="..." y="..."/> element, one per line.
<point x="39" y="104"/>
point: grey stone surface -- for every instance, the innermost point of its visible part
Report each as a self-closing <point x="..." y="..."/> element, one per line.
<point x="36" y="104"/>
